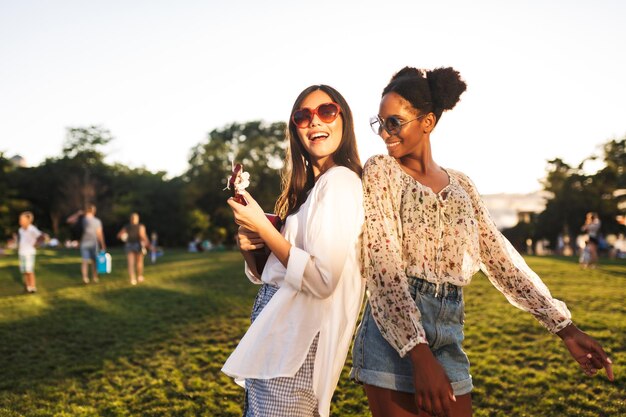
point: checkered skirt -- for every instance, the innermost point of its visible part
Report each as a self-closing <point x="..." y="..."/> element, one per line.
<point x="283" y="396"/>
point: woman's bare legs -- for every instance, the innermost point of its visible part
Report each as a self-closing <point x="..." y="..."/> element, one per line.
<point x="139" y="260"/>
<point x="131" y="267"/>
<point x="593" y="248"/>
<point x="388" y="403"/>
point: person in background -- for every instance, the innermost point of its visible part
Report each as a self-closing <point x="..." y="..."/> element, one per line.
<point x="28" y="237"/>
<point x="154" y="242"/>
<point x="136" y="242"/>
<point x="592" y="228"/>
<point x="91" y="240"/>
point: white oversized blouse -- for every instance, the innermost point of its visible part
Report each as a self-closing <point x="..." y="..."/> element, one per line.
<point x="321" y="291"/>
<point x="443" y="237"/>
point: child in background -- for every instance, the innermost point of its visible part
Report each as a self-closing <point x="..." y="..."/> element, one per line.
<point x="154" y="240"/>
<point x="28" y="237"/>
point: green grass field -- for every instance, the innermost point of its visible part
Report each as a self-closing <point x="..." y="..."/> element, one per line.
<point x="110" y="349"/>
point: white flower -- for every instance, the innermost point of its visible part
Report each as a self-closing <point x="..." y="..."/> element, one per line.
<point x="242" y="182"/>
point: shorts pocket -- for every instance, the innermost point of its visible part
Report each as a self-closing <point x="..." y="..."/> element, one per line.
<point x="416" y="296"/>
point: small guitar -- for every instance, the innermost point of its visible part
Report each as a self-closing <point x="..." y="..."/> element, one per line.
<point x="238" y="181"/>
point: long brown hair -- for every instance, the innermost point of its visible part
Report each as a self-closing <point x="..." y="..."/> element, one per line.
<point x="297" y="176"/>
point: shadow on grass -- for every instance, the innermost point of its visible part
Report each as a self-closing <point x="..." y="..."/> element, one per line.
<point x="17" y="277"/>
<point x="74" y="337"/>
<point x="613" y="270"/>
<point x="60" y="269"/>
<point x="115" y="350"/>
<point x="53" y="269"/>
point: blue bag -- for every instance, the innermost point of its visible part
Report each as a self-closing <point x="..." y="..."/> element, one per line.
<point x="103" y="263"/>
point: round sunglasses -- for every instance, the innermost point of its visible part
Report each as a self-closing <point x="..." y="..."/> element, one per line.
<point x="392" y="125"/>
<point x="326" y="112"/>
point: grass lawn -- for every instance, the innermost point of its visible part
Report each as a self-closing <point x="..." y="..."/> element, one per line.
<point x="110" y="349"/>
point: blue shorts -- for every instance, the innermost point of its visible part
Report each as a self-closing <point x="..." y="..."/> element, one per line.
<point x="88" y="253"/>
<point x="375" y="362"/>
<point x="134" y="247"/>
<point x="27" y="264"/>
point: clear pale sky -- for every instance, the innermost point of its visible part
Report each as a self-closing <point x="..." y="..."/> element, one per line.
<point x="545" y="78"/>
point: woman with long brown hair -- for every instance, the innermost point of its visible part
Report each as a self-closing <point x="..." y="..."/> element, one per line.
<point x="311" y="289"/>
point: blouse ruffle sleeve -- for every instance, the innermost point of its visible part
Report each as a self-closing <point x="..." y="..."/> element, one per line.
<point x="392" y="306"/>
<point x="334" y="225"/>
<point x="509" y="273"/>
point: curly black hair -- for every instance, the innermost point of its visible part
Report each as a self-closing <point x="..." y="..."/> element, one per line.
<point x="428" y="91"/>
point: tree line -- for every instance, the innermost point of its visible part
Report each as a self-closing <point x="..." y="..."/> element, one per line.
<point x="179" y="209"/>
<point x="573" y="193"/>
<point x="193" y="205"/>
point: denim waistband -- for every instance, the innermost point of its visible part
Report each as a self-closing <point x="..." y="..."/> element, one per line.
<point x="440" y="290"/>
<point x="271" y="288"/>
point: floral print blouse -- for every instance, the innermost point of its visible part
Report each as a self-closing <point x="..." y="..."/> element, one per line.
<point x="442" y="238"/>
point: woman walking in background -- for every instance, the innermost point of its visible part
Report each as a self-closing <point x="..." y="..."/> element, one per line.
<point x="589" y="257"/>
<point x="427" y="233"/>
<point x="311" y="288"/>
<point x="136" y="242"/>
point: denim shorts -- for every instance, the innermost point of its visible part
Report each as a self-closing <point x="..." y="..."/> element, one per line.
<point x="375" y="362"/>
<point x="27" y="264"/>
<point x="134" y="247"/>
<point x="88" y="252"/>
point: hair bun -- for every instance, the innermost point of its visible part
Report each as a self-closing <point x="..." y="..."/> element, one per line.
<point x="407" y="72"/>
<point x="446" y="87"/>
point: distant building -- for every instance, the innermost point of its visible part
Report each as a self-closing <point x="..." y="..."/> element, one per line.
<point x="18" y="161"/>
<point x="507" y="210"/>
<point x="527" y="217"/>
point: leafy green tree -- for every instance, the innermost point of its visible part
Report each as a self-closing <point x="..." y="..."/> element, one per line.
<point x="576" y="193"/>
<point x="198" y="222"/>
<point x="615" y="170"/>
<point x="38" y="186"/>
<point x="10" y="203"/>
<point x="178" y="209"/>
<point x="259" y="146"/>
<point x="615" y="158"/>
<point x="82" y="147"/>
<point x="60" y="186"/>
<point x="5" y="215"/>
<point x="519" y="234"/>
<point x="83" y="143"/>
<point x="158" y="201"/>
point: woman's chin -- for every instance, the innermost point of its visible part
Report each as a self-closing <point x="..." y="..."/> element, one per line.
<point x="394" y="151"/>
